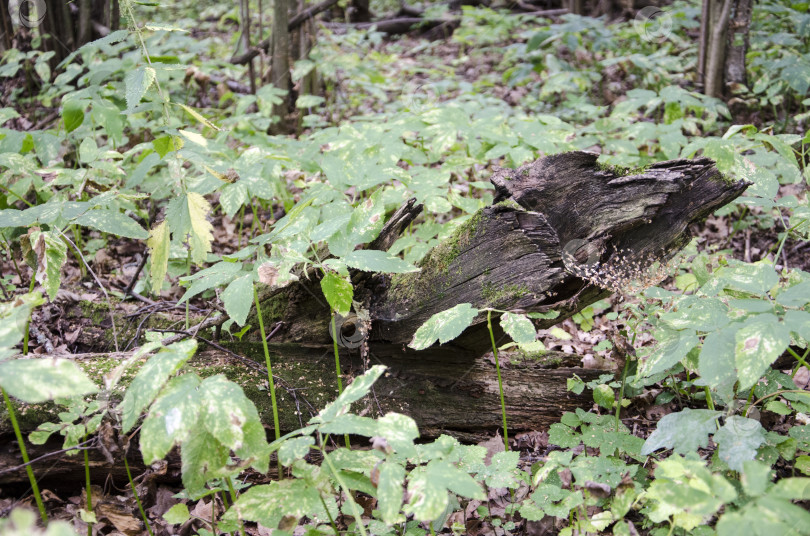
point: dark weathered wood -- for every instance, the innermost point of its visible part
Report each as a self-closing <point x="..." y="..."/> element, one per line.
<point x="510" y="256"/>
<point x="444" y="391"/>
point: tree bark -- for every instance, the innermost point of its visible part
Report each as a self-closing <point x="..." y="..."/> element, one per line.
<point x="723" y="44"/>
<point x="280" y="62"/>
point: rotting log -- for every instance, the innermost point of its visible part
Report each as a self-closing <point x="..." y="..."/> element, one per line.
<point x="556" y="224"/>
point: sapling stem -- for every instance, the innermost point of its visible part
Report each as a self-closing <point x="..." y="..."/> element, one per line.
<point x="29" y="471"/>
<point x="337" y="369"/>
<point x="137" y="499"/>
<point x="88" y="490"/>
<point x="269" y="366"/>
<point x="500" y="382"/>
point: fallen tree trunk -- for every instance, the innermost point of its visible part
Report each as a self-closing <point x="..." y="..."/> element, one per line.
<point x="443" y="392"/>
<point x="564" y="232"/>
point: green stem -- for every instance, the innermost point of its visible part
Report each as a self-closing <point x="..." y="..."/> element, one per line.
<point x="269" y="366"/>
<point x="709" y="400"/>
<point x="337" y="369"/>
<point x="500" y="382"/>
<point x="621" y="391"/>
<point x="799" y="358"/>
<point x="353" y="505"/>
<point x="233" y="501"/>
<point x="137" y="499"/>
<point x="34" y="487"/>
<point x="88" y="491"/>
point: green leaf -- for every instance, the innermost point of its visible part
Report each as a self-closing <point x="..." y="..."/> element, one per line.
<point x="365" y="223"/>
<point x="519" y="328"/>
<point x="72" y="115"/>
<point x="668" y="352"/>
<point x="501" y="472"/>
<point x="338" y="292"/>
<point x="137" y="82"/>
<point x="563" y="436"/>
<point x="603" y="395"/>
<point x="230" y="416"/>
<point x="685" y="431"/>
<point x="172" y="418"/>
<point x="758" y="344"/>
<point x="112" y="222"/>
<point x="295" y="449"/>
<point x="355" y="391"/>
<point x="187" y="215"/>
<point x="716" y="363"/>
<point x="371" y="260"/>
<point x="196" y="115"/>
<point x="389" y="491"/>
<point x="267" y="504"/>
<point x="399" y="431"/>
<point x="428" y="488"/>
<point x="238" y="297"/>
<point x="177" y="514"/>
<point x="51" y="254"/>
<point x="444" y="326"/>
<point x="738" y="440"/>
<point x="158" y="244"/>
<point x="88" y="151"/>
<point x="14" y="320"/>
<point x="151" y="378"/>
<point x="203" y="458"/>
<point x="795" y="296"/>
<point x="38" y="380"/>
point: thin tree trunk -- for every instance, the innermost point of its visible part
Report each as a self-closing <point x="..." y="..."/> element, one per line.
<point x="720" y="14"/>
<point x="244" y="15"/>
<point x="738" y="42"/>
<point x="280" y="66"/>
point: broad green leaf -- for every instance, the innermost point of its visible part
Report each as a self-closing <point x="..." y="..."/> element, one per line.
<point x="72" y="115"/>
<point x="158" y="244"/>
<point x="51" y="254"/>
<point x="238" y="297"/>
<point x="186" y="215"/>
<point x="444" y="326"/>
<point x="268" y="503"/>
<point x="389" y="491"/>
<point x="758" y="344"/>
<point x="338" y="292"/>
<point x="502" y="470"/>
<point x="14" y="317"/>
<point x="716" y="363"/>
<point x="668" y="352"/>
<point x="355" y="391"/>
<point x="563" y="436"/>
<point x="685" y="431"/>
<point x="399" y="431"/>
<point x="351" y="424"/>
<point x="428" y="487"/>
<point x="370" y="260"/>
<point x="757" y="278"/>
<point x="220" y="273"/>
<point x="166" y="144"/>
<point x="203" y="458"/>
<point x="172" y="418"/>
<point x="177" y="514"/>
<point x="795" y="296"/>
<point x="38" y="380"/>
<point x="603" y="395"/>
<point x="88" y="151"/>
<point x="137" y="82"/>
<point x="112" y="222"/>
<point x="519" y="328"/>
<point x="230" y="416"/>
<point x="365" y="223"/>
<point x="738" y="440"/>
<point x="151" y="378"/>
<point x="295" y="449"/>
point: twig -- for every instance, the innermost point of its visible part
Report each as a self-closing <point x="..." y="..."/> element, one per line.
<point x="48" y="455"/>
<point x="138" y="270"/>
